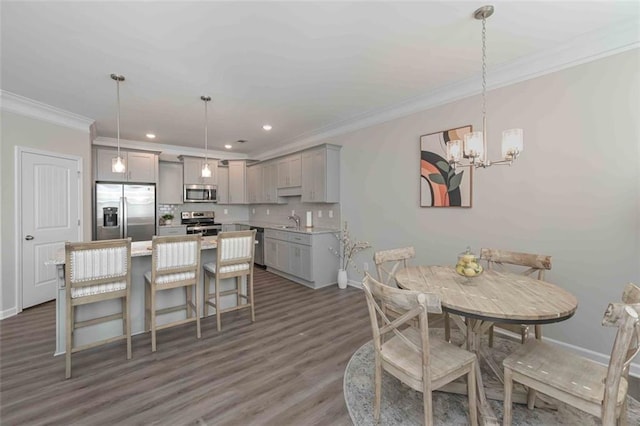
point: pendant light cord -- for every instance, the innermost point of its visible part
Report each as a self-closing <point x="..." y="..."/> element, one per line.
<point x="118" y="113"/>
<point x="206" y="127"/>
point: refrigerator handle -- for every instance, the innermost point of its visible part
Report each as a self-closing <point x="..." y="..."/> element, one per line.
<point x="123" y="207"/>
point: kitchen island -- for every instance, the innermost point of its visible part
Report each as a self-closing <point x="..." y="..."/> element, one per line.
<point x="140" y="263"/>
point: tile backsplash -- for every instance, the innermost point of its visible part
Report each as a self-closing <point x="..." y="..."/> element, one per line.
<point x="324" y="215"/>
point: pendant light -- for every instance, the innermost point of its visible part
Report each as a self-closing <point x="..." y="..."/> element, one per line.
<point x="474" y="146"/>
<point x="117" y="165"/>
<point x="206" y="171"/>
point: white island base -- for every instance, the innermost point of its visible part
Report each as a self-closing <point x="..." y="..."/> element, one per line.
<point x="141" y="263"/>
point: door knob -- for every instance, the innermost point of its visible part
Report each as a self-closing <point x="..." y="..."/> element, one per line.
<point x="29" y="237"/>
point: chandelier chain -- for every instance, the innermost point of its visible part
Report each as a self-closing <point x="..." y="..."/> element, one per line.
<point x="484" y="66"/>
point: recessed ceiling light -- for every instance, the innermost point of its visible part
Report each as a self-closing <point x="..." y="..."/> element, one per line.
<point x="150" y="136"/>
<point x="228" y="146"/>
<point x="267" y="127"/>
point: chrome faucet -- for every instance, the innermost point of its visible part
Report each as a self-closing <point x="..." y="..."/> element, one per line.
<point x="296" y="219"/>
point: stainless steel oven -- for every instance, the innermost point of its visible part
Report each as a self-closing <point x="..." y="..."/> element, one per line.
<point x="202" y="223"/>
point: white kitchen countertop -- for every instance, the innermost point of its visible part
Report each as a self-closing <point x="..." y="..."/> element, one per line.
<point x="138" y="248"/>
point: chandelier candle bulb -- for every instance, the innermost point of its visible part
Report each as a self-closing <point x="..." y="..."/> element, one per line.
<point x="474" y="145"/>
<point x="512" y="143"/>
<point x="309" y="219"/>
<point x="454" y="150"/>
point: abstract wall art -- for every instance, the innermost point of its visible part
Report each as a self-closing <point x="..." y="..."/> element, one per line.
<point x="440" y="184"/>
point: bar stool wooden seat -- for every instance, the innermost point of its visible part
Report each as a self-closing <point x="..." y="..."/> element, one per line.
<point x="94" y="272"/>
<point x="175" y="263"/>
<point x="234" y="259"/>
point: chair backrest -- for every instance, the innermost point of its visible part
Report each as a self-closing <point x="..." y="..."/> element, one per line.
<point x="236" y="248"/>
<point x="625" y="317"/>
<point x="97" y="263"/>
<point x="412" y="303"/>
<point x="631" y="295"/>
<point x="535" y="262"/>
<point x="175" y="254"/>
<point x="388" y="262"/>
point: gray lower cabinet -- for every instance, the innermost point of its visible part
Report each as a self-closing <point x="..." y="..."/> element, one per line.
<point x="300" y="257"/>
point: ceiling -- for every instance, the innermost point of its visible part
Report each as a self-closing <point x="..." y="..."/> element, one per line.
<point x="303" y="67"/>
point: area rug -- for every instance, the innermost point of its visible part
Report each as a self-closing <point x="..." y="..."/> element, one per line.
<point x="402" y="405"/>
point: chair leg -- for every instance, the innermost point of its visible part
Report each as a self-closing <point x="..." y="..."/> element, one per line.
<point x="250" y="291"/>
<point x="69" y="337"/>
<point x="378" y="390"/>
<point x="188" y="298"/>
<point x="427" y="403"/>
<point x="206" y="281"/>
<point x="623" y="417"/>
<point x="197" y="304"/>
<point x="538" y="330"/>
<point x="239" y="290"/>
<point x="508" y="388"/>
<point x="126" y="319"/>
<point x="473" y="398"/>
<point x="217" y="290"/>
<point x="152" y="315"/>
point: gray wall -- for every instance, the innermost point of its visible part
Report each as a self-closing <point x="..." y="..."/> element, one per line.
<point x="573" y="194"/>
<point x="19" y="130"/>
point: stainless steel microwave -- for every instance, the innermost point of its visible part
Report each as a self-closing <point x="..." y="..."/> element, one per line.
<point x="200" y="194"/>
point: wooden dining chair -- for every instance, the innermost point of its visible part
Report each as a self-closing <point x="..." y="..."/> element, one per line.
<point x="535" y="264"/>
<point x="410" y="354"/>
<point x="175" y="263"/>
<point x="94" y="272"/>
<point x="388" y="263"/>
<point x="234" y="259"/>
<point x="589" y="386"/>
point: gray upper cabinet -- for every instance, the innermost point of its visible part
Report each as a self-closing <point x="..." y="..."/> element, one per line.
<point x="254" y="184"/>
<point x="140" y="166"/>
<point x="290" y="171"/>
<point x="223" y="185"/>
<point x="170" y="183"/>
<point x="269" y="182"/>
<point x="237" y="182"/>
<point x="193" y="171"/>
<point x="321" y="175"/>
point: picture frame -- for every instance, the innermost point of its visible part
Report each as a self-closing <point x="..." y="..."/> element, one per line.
<point x="440" y="184"/>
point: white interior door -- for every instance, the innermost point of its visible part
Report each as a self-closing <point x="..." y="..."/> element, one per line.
<point x="49" y="217"/>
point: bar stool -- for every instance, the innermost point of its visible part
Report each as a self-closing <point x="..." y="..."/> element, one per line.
<point x="94" y="272"/>
<point x="175" y="263"/>
<point x="234" y="259"/>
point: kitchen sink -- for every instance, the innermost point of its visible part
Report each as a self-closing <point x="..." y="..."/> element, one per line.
<point x="286" y="227"/>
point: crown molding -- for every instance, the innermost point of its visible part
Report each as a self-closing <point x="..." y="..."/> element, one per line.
<point x="30" y="108"/>
<point x="166" y="149"/>
<point x="589" y="47"/>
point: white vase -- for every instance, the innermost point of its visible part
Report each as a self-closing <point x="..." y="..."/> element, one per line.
<point x="342" y="279"/>
<point x="168" y="221"/>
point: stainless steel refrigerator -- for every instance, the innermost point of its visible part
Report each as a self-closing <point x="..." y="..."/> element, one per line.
<point x="124" y="210"/>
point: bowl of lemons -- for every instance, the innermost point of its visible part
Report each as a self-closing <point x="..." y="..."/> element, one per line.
<point x="468" y="264"/>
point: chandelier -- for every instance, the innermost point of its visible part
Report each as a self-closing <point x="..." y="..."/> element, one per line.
<point x="117" y="165"/>
<point x="206" y="171"/>
<point x="474" y="146"/>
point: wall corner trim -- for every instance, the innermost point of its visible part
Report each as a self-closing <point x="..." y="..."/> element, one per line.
<point x="31" y="108"/>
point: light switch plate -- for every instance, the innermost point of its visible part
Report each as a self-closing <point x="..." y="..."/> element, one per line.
<point x="226" y="211"/>
<point x="253" y="211"/>
<point x="330" y="214"/>
<point x="319" y="213"/>
<point x="268" y="212"/>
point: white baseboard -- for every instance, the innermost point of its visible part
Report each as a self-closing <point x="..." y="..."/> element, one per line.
<point x="356" y="284"/>
<point x="8" y="313"/>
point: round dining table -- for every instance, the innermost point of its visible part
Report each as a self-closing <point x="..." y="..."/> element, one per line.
<point x="475" y="304"/>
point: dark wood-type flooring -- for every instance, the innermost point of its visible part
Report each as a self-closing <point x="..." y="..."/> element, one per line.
<point x="284" y="369"/>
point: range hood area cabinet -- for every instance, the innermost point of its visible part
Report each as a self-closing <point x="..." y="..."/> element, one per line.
<point x="193" y="171"/>
<point x="170" y="183"/>
<point x="290" y="171"/>
<point x="232" y="182"/>
<point x="262" y="180"/>
<point x="321" y="174"/>
<point x="140" y="166"/>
